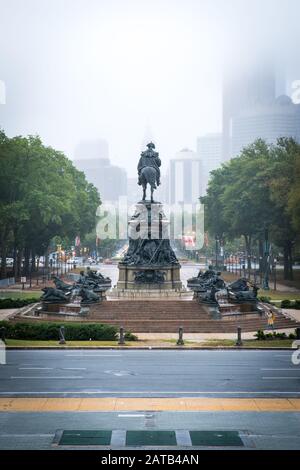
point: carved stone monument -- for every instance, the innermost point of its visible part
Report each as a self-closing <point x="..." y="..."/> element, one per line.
<point x="150" y="262"/>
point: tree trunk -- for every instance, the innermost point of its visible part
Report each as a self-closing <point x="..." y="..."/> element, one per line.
<point x="261" y="254"/>
<point x="248" y="250"/>
<point x="26" y="261"/>
<point x="19" y="262"/>
<point x="33" y="267"/>
<point x="3" y="270"/>
<point x="15" y="268"/>
<point x="288" y="261"/>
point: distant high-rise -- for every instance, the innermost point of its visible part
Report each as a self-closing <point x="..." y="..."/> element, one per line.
<point x="281" y="118"/>
<point x="209" y="150"/>
<point x="184" y="177"/>
<point x="91" y="157"/>
<point x="253" y="86"/>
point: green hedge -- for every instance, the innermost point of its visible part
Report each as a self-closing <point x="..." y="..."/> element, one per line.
<point x="16" y="303"/>
<point x="262" y="336"/>
<point x="73" y="331"/>
<point x="290" y="304"/>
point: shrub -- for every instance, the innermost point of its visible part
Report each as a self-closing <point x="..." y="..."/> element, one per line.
<point x="16" y="303"/>
<point x="286" y="303"/>
<point x="73" y="331"/>
<point x="266" y="300"/>
<point x="297" y="304"/>
<point x="260" y="335"/>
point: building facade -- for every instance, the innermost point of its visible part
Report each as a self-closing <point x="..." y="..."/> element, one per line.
<point x="184" y="178"/>
<point x="91" y="157"/>
<point x="281" y="118"/>
<point x="209" y="150"/>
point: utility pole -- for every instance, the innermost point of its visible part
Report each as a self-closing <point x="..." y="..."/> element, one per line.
<point x="266" y="260"/>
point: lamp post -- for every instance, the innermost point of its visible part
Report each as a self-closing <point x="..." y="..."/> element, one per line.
<point x="217" y="247"/>
<point x="266" y="260"/>
<point x="275" y="278"/>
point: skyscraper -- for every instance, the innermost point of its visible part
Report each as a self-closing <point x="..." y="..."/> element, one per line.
<point x="253" y="85"/>
<point x="209" y="150"/>
<point x="91" y="157"/>
<point x="184" y="177"/>
<point x="281" y="118"/>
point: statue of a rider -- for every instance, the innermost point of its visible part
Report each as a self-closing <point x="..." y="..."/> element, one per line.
<point x="148" y="158"/>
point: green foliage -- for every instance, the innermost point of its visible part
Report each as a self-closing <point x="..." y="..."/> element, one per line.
<point x="42" y="196"/>
<point x="265" y="299"/>
<point x="255" y="191"/>
<point x="290" y="304"/>
<point x="16" y="303"/>
<point x="73" y="331"/>
<point x="262" y="336"/>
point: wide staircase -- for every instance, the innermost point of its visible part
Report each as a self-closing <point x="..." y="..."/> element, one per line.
<point x="142" y="316"/>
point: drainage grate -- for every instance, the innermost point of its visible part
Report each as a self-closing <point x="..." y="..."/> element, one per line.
<point x="148" y="438"/>
<point x="151" y="438"/>
<point x="85" y="438"/>
<point x="216" y="438"/>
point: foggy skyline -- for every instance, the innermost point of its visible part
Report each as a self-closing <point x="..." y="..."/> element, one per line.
<point x="87" y="69"/>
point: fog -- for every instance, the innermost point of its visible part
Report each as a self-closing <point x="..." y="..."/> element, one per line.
<point x="87" y="69"/>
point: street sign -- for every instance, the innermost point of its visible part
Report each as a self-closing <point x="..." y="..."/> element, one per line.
<point x="23" y="279"/>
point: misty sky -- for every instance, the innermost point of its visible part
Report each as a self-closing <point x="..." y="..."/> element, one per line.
<point x="83" y="69"/>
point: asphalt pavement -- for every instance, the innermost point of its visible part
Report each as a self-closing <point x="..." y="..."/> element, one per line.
<point x="147" y="373"/>
<point x="254" y="394"/>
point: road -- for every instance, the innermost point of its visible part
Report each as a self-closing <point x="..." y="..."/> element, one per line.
<point x="253" y="394"/>
<point x="146" y="373"/>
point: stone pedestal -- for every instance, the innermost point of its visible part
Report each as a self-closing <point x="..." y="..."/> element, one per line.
<point x="150" y="262"/>
<point x="129" y="275"/>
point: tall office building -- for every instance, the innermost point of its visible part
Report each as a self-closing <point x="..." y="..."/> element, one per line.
<point x="184" y="177"/>
<point x="91" y="157"/>
<point x="281" y="118"/>
<point x="253" y="85"/>
<point x="209" y="150"/>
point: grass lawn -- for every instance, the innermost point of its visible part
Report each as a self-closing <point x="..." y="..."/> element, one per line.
<point x="286" y="343"/>
<point x="251" y="343"/>
<point x="28" y="342"/>
<point x="277" y="295"/>
<point x="20" y="295"/>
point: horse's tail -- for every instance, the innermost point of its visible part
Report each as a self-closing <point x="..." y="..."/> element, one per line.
<point x="149" y="175"/>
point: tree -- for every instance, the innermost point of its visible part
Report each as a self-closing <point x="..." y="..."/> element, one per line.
<point x="42" y="195"/>
<point x="255" y="192"/>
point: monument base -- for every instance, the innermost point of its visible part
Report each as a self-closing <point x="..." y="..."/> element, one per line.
<point x="154" y="277"/>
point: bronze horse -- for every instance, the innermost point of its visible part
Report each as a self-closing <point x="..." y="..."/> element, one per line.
<point x="148" y="170"/>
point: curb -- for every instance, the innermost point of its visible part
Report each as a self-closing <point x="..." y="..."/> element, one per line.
<point x="145" y="348"/>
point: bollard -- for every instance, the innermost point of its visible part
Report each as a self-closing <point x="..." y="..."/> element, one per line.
<point x="62" y="335"/>
<point x="180" y="341"/>
<point x="122" y="336"/>
<point x="239" y="341"/>
<point x="2" y="333"/>
<point x="298" y="333"/>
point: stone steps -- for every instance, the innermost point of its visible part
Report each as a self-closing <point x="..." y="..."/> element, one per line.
<point x="146" y="316"/>
<point x="151" y="316"/>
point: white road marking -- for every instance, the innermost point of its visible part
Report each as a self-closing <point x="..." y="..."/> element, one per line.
<point x="47" y="377"/>
<point x="118" y="392"/>
<point x="93" y="355"/>
<point x="132" y="416"/>
<point x="289" y="368"/>
<point x="35" y="368"/>
<point x="281" y="378"/>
